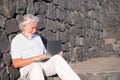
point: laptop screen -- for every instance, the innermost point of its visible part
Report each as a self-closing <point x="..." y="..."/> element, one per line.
<point x="54" y="46"/>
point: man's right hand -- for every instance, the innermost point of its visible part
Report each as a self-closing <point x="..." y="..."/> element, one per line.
<point x="36" y="58"/>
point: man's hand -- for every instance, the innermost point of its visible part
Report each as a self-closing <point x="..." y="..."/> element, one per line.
<point x="36" y="58"/>
<point x="61" y="53"/>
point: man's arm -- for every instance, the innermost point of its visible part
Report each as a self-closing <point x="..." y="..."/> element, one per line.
<point x="19" y="62"/>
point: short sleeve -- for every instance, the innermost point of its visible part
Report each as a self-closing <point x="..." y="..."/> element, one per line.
<point x="15" y="49"/>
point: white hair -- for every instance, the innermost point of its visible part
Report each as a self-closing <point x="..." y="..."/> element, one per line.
<point x="27" y="19"/>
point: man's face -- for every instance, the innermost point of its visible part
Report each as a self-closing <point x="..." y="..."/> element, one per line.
<point x="30" y="28"/>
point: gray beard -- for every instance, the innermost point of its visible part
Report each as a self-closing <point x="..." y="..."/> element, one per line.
<point x="30" y="36"/>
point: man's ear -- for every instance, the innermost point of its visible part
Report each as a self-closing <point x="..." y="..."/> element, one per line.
<point x="23" y="28"/>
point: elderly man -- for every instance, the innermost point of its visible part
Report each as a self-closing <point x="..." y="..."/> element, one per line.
<point x="27" y="47"/>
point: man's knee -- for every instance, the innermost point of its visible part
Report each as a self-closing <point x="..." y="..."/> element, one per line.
<point x="58" y="57"/>
<point x="36" y="66"/>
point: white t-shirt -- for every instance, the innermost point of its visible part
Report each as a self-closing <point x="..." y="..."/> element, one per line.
<point x="21" y="47"/>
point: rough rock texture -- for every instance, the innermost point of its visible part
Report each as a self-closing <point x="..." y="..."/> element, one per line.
<point x="88" y="28"/>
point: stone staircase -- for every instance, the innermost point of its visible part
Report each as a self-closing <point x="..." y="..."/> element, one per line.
<point x="96" y="69"/>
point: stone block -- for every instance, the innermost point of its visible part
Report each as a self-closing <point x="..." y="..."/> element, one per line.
<point x="97" y="77"/>
<point x="83" y="76"/>
<point x="7" y="59"/>
<point x="49" y="35"/>
<point x="51" y="25"/>
<point x="68" y="18"/>
<point x="7" y="8"/>
<point x="41" y="23"/>
<point x="61" y="14"/>
<point x="107" y="48"/>
<point x="40" y="8"/>
<point x="66" y="36"/>
<point x="11" y="26"/>
<point x="11" y="36"/>
<point x="51" y="12"/>
<point x="2" y="21"/>
<point x="79" y="41"/>
<point x="21" y="6"/>
<point x="4" y="75"/>
<point x="13" y="73"/>
<point x="72" y="41"/>
<point x="68" y="5"/>
<point x="30" y="7"/>
<point x="57" y="2"/>
<point x="113" y="76"/>
<point x="5" y="45"/>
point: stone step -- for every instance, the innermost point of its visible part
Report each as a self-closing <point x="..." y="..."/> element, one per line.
<point x="97" y="69"/>
<point x="98" y="65"/>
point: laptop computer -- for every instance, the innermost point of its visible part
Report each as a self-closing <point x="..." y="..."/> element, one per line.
<point x="53" y="47"/>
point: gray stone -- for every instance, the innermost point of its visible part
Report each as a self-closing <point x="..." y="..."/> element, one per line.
<point x="51" y="25"/>
<point x="80" y="53"/>
<point x="7" y="59"/>
<point x="2" y="21"/>
<point x="69" y="4"/>
<point x="76" y="4"/>
<point x="41" y="23"/>
<point x="113" y="76"/>
<point x="11" y="26"/>
<point x="68" y="18"/>
<point x="21" y="6"/>
<point x="40" y="8"/>
<point x="61" y="14"/>
<point x="97" y="77"/>
<point x="72" y="41"/>
<point x="67" y="56"/>
<point x="7" y="8"/>
<point x="49" y="35"/>
<point x="62" y="27"/>
<point x="30" y="7"/>
<point x="58" y="35"/>
<point x="5" y="45"/>
<point x="107" y="48"/>
<point x="11" y="36"/>
<point x="81" y="23"/>
<point x="79" y="41"/>
<point x="66" y="36"/>
<point x="19" y="18"/>
<point x="90" y="4"/>
<point x="57" y="2"/>
<point x="51" y="11"/>
<point x="13" y="73"/>
<point x="76" y="18"/>
<point x="4" y="75"/>
<point x="74" y="30"/>
<point x="65" y="47"/>
<point x="83" y="77"/>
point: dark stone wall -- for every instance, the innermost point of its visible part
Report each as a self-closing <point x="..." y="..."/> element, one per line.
<point x="87" y="28"/>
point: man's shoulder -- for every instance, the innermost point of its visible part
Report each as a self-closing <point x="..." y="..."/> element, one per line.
<point x="17" y="37"/>
<point x="37" y="35"/>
